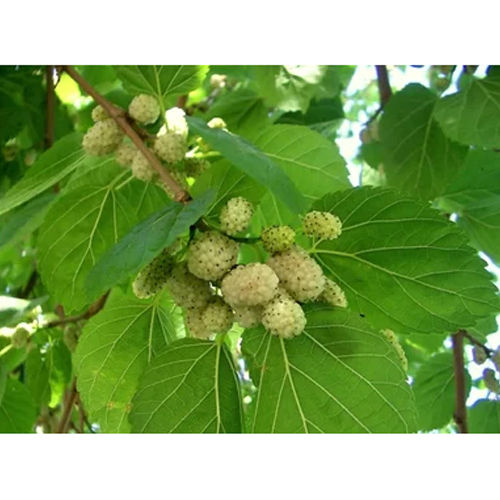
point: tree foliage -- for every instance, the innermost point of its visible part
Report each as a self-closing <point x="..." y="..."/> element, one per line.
<point x="101" y="327"/>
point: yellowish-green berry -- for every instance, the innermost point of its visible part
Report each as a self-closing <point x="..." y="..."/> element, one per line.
<point x="479" y="355"/>
<point x="299" y="274"/>
<point x="333" y="294"/>
<point x="248" y="316"/>
<point x="250" y="285"/>
<point x="141" y="169"/>
<point x="144" y="109"/>
<point x="212" y="255"/>
<point x="124" y="154"/>
<point x="490" y="381"/>
<point x="170" y="147"/>
<point x="99" y="113"/>
<point x="195" y="325"/>
<point x="393" y="340"/>
<point x="217" y="123"/>
<point x="218" y="316"/>
<point x="235" y="215"/>
<point x="20" y="337"/>
<point x="187" y="290"/>
<point x="278" y="238"/>
<point x="322" y="225"/>
<point x="153" y="277"/>
<point x="284" y="318"/>
<point x="102" y="138"/>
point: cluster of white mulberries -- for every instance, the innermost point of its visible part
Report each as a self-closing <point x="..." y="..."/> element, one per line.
<point x="102" y="138"/>
<point x="141" y="168"/>
<point x="215" y="292"/>
<point x="144" y="109"/>
<point x="322" y="225"/>
<point x="235" y="215"/>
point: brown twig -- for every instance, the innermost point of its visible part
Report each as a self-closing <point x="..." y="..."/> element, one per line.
<point x="91" y="311"/>
<point x="460" y="413"/>
<point x="474" y="341"/>
<point x="384" y="87"/>
<point x="120" y="118"/>
<point x="181" y="101"/>
<point x="63" y="425"/>
<point x="50" y="115"/>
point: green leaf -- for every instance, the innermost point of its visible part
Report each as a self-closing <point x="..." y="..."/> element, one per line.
<point x="484" y="417"/>
<point x="475" y="196"/>
<point x="337" y="376"/>
<point x="291" y="88"/>
<point x="25" y="219"/>
<point x="312" y="162"/>
<point x="144" y="242"/>
<point x="404" y="266"/>
<point x="60" y="371"/>
<point x="17" y="411"/>
<point x="227" y="182"/>
<point x="82" y="224"/>
<point x="253" y="162"/>
<point x="51" y="166"/>
<point x="419" y="159"/>
<point x="37" y="377"/>
<point x="161" y="81"/>
<point x="191" y="387"/>
<point x="114" y="349"/>
<point x="471" y="116"/>
<point x="240" y="109"/>
<point x="434" y="389"/>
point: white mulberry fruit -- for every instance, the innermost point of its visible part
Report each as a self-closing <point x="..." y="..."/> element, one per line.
<point x="20" y="337"/>
<point x="194" y="167"/>
<point x="102" y="138"/>
<point x="250" y="285"/>
<point x="195" y="324"/>
<point x="124" y="154"/>
<point x="217" y="123"/>
<point x="235" y="216"/>
<point x="490" y="380"/>
<point x="170" y="147"/>
<point x="333" y="294"/>
<point x="218" y="316"/>
<point x="99" y="113"/>
<point x="212" y="255"/>
<point x="284" y="318"/>
<point x="144" y="109"/>
<point x="248" y="316"/>
<point x="141" y="169"/>
<point x="176" y="121"/>
<point x="153" y="277"/>
<point x="187" y="290"/>
<point x="299" y="274"/>
<point x="479" y="355"/>
<point x="323" y="225"/>
<point x="278" y="238"/>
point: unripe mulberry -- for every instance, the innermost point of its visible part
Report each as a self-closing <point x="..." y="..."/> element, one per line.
<point x="212" y="255"/>
<point x="299" y="274"/>
<point x="187" y="290"/>
<point x="170" y="147"/>
<point x="278" y="238"/>
<point x="124" y="154"/>
<point x="479" y="355"/>
<point x="284" y="318"/>
<point x="99" y="113"/>
<point x="194" y="167"/>
<point x="153" y="277"/>
<point x="250" y="285"/>
<point x="235" y="215"/>
<point x="195" y="324"/>
<point x="20" y="337"/>
<point x="141" y="169"/>
<point x="490" y="380"/>
<point x="248" y="316"/>
<point x="144" y="109"/>
<point x="333" y="294"/>
<point x="102" y="138"/>
<point x="70" y="339"/>
<point x="323" y="225"/>
<point x="218" y="316"/>
<point x="217" y="123"/>
<point x="392" y="338"/>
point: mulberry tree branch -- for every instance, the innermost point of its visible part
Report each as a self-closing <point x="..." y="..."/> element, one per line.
<point x="180" y="194"/>
<point x="460" y="413"/>
<point x="384" y="87"/>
